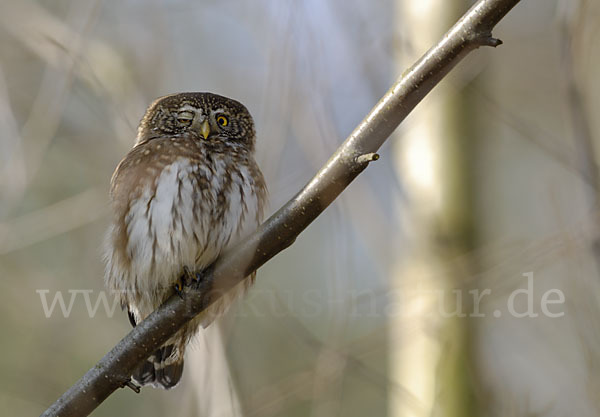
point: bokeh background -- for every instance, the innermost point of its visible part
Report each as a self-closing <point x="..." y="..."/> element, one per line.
<point x="491" y="180"/>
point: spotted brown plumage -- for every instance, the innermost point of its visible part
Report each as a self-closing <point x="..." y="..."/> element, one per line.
<point x="188" y="189"/>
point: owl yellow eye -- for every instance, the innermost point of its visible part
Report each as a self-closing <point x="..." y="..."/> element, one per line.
<point x="185" y="117"/>
<point x="222" y="121"/>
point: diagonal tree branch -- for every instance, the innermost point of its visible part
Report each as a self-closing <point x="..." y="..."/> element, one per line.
<point x="280" y="230"/>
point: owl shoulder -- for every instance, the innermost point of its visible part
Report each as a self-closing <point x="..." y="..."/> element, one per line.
<point x="139" y="167"/>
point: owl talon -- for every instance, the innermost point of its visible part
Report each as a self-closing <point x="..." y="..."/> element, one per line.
<point x="190" y="278"/>
<point x="198" y="276"/>
<point x="178" y="287"/>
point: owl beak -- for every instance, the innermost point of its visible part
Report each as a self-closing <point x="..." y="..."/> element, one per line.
<point x="205" y="129"/>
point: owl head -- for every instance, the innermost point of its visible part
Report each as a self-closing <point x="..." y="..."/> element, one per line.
<point x="205" y="116"/>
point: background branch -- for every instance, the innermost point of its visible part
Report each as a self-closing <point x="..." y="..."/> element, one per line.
<point x="281" y="229"/>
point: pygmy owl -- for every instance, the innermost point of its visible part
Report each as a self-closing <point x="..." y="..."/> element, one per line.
<point x="188" y="189"/>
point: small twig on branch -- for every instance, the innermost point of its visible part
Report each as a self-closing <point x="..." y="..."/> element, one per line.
<point x="281" y="229"/>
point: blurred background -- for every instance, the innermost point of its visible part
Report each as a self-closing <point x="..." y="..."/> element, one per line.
<point x="457" y="276"/>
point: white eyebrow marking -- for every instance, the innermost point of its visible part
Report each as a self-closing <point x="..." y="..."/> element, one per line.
<point x="189" y="107"/>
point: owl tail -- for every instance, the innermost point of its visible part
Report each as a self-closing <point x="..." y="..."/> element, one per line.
<point x="163" y="369"/>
